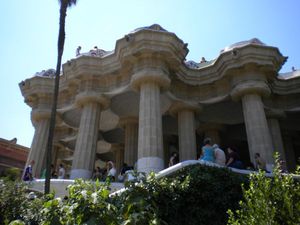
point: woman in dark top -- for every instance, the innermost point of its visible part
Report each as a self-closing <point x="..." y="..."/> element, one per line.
<point x="233" y="159"/>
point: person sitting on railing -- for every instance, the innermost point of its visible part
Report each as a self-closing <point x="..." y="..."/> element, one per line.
<point x="173" y="159"/>
<point x="111" y="170"/>
<point x="207" y="153"/>
<point x="260" y="162"/>
<point x="220" y="157"/>
<point x="124" y="169"/>
<point x="233" y="159"/>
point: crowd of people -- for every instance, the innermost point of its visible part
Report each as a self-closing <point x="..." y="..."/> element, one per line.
<point x="212" y="153"/>
<point x="209" y="152"/>
<point x="55" y="174"/>
<point x="110" y="172"/>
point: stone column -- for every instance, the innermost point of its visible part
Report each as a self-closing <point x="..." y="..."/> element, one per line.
<point x="186" y="130"/>
<point x="289" y="153"/>
<point x="119" y="156"/>
<point x="150" y="143"/>
<point x="86" y="143"/>
<point x="130" y="125"/>
<point x="41" y="120"/>
<point x="276" y="137"/>
<point x="258" y="133"/>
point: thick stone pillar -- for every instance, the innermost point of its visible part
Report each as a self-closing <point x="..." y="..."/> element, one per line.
<point x="41" y="120"/>
<point x="150" y="143"/>
<point x="289" y="153"/>
<point x="186" y="130"/>
<point x="250" y="91"/>
<point x="86" y="143"/>
<point x="119" y="156"/>
<point x="276" y="137"/>
<point x="187" y="135"/>
<point x="258" y="134"/>
<point x="130" y="125"/>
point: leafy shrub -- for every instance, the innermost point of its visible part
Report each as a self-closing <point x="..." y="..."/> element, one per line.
<point x="269" y="201"/>
<point x="11" y="174"/>
<point x="15" y="204"/>
<point x="194" y="195"/>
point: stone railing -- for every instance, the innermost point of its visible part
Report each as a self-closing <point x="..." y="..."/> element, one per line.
<point x="175" y="168"/>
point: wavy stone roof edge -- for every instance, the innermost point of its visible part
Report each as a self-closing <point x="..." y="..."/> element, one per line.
<point x="253" y="41"/>
<point x="97" y="53"/>
<point x="194" y="65"/>
<point x="289" y="75"/>
<point x="155" y="27"/>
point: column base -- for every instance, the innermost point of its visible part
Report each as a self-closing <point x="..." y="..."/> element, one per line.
<point x="80" y="173"/>
<point x="150" y="164"/>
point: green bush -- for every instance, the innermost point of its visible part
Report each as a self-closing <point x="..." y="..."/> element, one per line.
<point x="15" y="204"/>
<point x="194" y="195"/>
<point x="12" y="174"/>
<point x="269" y="201"/>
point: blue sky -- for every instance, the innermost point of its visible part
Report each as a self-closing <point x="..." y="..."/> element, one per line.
<point x="29" y="35"/>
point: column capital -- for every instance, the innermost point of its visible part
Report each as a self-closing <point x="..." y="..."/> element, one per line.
<point x="128" y="120"/>
<point x="40" y="114"/>
<point x="257" y="87"/>
<point x="92" y="96"/>
<point x="150" y="75"/>
<point x="178" y="106"/>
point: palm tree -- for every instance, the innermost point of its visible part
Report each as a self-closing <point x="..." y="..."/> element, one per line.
<point x="64" y="4"/>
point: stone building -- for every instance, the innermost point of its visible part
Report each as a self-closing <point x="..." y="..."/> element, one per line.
<point x="12" y="155"/>
<point x="142" y="100"/>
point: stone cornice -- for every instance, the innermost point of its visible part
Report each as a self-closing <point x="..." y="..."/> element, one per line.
<point x="265" y="57"/>
<point x="165" y="45"/>
<point x="37" y="89"/>
<point x="286" y="87"/>
<point x="115" y="72"/>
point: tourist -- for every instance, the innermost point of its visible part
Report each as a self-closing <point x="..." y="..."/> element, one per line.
<point x="111" y="170"/>
<point x="203" y="60"/>
<point x="61" y="172"/>
<point x="173" y="159"/>
<point x="124" y="169"/>
<point x="95" y="51"/>
<point x="207" y="153"/>
<point x="260" y="162"/>
<point x="282" y="166"/>
<point x="233" y="159"/>
<point x="28" y="176"/>
<point x="78" y="50"/>
<point x="97" y="174"/>
<point x="219" y="154"/>
<point x="53" y="172"/>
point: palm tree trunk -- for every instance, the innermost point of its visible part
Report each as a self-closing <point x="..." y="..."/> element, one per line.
<point x="60" y="48"/>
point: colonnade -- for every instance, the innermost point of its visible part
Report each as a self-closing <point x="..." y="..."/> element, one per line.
<point x="143" y="134"/>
